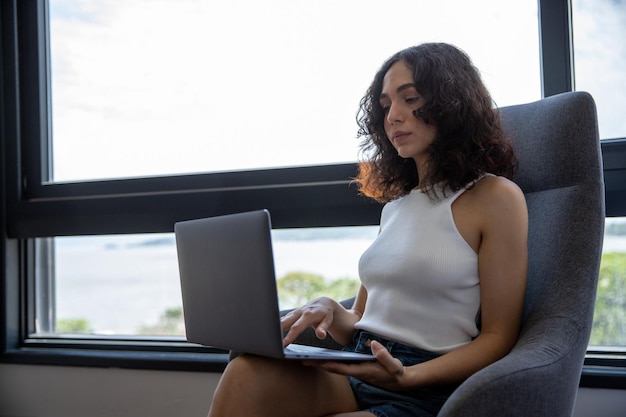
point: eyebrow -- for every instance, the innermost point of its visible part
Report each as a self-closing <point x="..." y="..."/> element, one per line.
<point x="398" y="90"/>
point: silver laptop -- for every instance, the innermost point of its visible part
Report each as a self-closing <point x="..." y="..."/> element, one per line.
<point x="228" y="286"/>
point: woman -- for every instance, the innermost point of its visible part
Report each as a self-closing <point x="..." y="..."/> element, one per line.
<point x="442" y="285"/>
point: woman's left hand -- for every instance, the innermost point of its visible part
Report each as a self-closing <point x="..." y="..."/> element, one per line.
<point x="386" y="371"/>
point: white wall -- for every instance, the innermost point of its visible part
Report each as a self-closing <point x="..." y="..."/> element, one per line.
<point x="56" y="391"/>
<point x="600" y="403"/>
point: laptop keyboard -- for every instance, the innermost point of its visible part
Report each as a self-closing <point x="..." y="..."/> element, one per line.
<point x="304" y="349"/>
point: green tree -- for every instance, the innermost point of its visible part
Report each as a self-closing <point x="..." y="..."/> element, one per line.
<point x="609" y="321"/>
<point x="343" y="288"/>
<point x="80" y="326"/>
<point x="171" y="323"/>
<point x="296" y="288"/>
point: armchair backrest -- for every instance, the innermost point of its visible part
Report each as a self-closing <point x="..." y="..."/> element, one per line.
<point x="560" y="173"/>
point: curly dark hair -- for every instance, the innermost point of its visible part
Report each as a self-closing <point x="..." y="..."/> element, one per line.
<point x="469" y="140"/>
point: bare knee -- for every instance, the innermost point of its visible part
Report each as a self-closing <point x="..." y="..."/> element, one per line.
<point x="255" y="386"/>
<point x="245" y="374"/>
<point x="252" y="384"/>
<point x="257" y="370"/>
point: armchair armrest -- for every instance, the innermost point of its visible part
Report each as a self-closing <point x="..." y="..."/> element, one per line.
<point x="548" y="354"/>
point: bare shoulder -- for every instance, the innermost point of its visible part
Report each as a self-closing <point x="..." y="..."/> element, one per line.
<point x="494" y="205"/>
<point x="500" y="202"/>
<point x="494" y="192"/>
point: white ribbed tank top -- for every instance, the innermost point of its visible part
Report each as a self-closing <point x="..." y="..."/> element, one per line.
<point x="421" y="276"/>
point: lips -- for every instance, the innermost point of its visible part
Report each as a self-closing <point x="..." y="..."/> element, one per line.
<point x="400" y="135"/>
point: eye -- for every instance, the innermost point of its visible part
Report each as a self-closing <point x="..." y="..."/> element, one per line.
<point x="412" y="100"/>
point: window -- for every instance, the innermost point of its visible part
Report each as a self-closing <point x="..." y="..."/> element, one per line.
<point x="203" y="86"/>
<point x="599" y="48"/>
<point x="82" y="178"/>
<point x="121" y="85"/>
<point x="609" y="325"/>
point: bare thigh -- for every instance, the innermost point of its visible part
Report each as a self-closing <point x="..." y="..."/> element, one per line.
<point x="253" y="386"/>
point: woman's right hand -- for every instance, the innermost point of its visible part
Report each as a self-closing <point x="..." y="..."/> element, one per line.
<point x="318" y="313"/>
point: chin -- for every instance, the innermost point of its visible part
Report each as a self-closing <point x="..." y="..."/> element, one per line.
<point x="404" y="155"/>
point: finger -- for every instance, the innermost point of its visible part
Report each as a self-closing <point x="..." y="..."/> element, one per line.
<point x="292" y="334"/>
<point x="290" y="318"/>
<point x="300" y="323"/>
<point x="292" y="327"/>
<point x="321" y="330"/>
<point x="384" y="358"/>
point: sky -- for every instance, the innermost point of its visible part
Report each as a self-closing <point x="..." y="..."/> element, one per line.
<point x="599" y="28"/>
<point x="153" y="87"/>
<point x="150" y="87"/>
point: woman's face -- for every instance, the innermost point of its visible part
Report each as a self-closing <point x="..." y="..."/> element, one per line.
<point x="399" y="98"/>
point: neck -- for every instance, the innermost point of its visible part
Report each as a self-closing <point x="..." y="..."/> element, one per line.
<point x="422" y="170"/>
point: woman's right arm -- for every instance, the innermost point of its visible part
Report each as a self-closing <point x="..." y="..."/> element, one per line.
<point x="326" y="316"/>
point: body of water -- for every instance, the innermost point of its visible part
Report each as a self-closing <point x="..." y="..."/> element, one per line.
<point x="119" y="284"/>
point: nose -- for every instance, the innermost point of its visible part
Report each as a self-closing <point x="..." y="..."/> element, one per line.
<point x="394" y="114"/>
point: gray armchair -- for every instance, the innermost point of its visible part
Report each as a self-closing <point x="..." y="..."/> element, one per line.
<point x="560" y="172"/>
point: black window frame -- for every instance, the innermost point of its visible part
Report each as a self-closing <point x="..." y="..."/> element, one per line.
<point x="308" y="196"/>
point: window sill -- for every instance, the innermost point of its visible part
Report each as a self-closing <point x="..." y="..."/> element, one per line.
<point x="608" y="377"/>
<point x="604" y="368"/>
<point x="119" y="356"/>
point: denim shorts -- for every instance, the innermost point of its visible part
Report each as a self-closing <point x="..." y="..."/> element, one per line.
<point x="423" y="402"/>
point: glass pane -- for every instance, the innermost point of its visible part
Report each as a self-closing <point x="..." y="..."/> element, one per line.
<point x="129" y="285"/>
<point x="112" y="285"/>
<point x="609" y="322"/>
<point x="165" y="87"/>
<point x="600" y="58"/>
